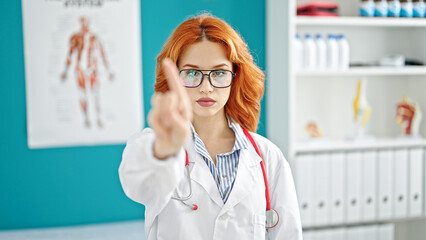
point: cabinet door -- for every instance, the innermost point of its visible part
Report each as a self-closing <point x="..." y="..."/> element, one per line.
<point x="386" y="232"/>
<point x="337" y="234"/>
<point x="370" y="232"/>
<point x="369" y="186"/>
<point x="353" y="186"/>
<point x="324" y="234"/>
<point x="354" y="233"/>
<point x="337" y="191"/>
<point x="304" y="182"/>
<point x="400" y="183"/>
<point x="416" y="171"/>
<point x="308" y="235"/>
<point x="321" y="189"/>
<point x="385" y="184"/>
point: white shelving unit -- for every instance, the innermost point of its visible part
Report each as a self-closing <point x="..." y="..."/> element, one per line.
<point x="367" y="72"/>
<point x="338" y="146"/>
<point x="296" y="97"/>
<point x="359" y="22"/>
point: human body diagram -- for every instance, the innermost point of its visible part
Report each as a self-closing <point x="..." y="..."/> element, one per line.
<point x="88" y="49"/>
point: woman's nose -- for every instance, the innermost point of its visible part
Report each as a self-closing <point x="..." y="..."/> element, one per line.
<point x="206" y="85"/>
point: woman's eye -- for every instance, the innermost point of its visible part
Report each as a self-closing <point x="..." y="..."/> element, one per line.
<point x="192" y="73"/>
<point x="220" y="73"/>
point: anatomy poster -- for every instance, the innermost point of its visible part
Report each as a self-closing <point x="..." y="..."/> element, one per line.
<point x="83" y="71"/>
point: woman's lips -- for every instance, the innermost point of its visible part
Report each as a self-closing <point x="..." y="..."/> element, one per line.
<point x="206" y="102"/>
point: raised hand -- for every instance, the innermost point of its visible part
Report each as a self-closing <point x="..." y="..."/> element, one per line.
<point x="170" y="115"/>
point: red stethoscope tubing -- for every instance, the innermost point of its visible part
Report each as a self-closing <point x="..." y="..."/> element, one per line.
<point x="262" y="164"/>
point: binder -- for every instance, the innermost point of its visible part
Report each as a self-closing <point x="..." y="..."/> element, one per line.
<point x="323" y="234"/>
<point x="337" y="234"/>
<point x="353" y="187"/>
<point x="308" y="235"/>
<point x="369" y="186"/>
<point x="400" y="183"/>
<point x="385" y="186"/>
<point x="369" y="232"/>
<point x="386" y="232"/>
<point x="337" y="185"/>
<point x="304" y="182"/>
<point x="321" y="186"/>
<point x="354" y="233"/>
<point x="416" y="171"/>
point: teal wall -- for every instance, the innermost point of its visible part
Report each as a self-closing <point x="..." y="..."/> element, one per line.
<point x="78" y="185"/>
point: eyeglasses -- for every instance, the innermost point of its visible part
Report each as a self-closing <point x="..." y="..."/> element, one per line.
<point x="193" y="78"/>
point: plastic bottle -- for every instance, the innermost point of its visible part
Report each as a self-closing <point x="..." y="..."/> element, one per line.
<point x="380" y="8"/>
<point x="321" y="52"/>
<point x="366" y="8"/>
<point x="394" y="8"/>
<point x="344" y="52"/>
<point x="298" y="53"/>
<point x="418" y="8"/>
<point x="309" y="53"/>
<point x="406" y="8"/>
<point x="332" y="52"/>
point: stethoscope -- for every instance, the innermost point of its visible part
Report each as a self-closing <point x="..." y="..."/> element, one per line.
<point x="271" y="215"/>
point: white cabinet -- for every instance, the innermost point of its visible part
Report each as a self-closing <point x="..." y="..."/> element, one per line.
<point x="295" y="97"/>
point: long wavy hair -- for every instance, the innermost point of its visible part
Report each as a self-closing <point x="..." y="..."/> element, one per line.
<point x="248" y="85"/>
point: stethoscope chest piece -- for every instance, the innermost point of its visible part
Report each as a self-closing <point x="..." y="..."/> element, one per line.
<point x="272" y="218"/>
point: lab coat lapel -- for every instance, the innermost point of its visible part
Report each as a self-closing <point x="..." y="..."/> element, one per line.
<point x="247" y="175"/>
<point x="201" y="174"/>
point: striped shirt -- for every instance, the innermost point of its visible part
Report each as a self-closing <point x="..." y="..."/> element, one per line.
<point x="227" y="163"/>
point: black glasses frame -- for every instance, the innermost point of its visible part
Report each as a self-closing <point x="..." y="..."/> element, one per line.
<point x="209" y="77"/>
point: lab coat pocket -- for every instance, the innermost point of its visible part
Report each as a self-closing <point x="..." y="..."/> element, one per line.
<point x="259" y="226"/>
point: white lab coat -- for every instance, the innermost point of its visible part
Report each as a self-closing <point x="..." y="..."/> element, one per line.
<point x="153" y="182"/>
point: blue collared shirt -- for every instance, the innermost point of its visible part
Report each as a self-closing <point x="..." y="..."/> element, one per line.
<point x="227" y="163"/>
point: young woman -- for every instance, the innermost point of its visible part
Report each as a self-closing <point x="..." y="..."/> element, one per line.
<point x="198" y="170"/>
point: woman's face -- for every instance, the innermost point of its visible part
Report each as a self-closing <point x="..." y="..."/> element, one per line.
<point x="206" y="100"/>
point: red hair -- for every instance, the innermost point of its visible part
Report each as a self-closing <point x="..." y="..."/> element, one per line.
<point x="248" y="85"/>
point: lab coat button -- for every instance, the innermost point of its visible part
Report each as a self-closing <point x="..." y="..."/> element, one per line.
<point x="223" y="217"/>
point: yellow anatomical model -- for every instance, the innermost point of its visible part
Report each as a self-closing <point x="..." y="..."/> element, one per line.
<point x="361" y="108"/>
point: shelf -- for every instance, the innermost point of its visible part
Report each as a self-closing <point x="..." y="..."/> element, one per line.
<point x="363" y="223"/>
<point x="360" y="21"/>
<point x="368" y="71"/>
<point x="331" y="146"/>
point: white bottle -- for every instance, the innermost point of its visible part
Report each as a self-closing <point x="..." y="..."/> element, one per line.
<point x="419" y="8"/>
<point x="321" y="52"/>
<point x="366" y="8"/>
<point x="406" y="8"/>
<point x="394" y="8"/>
<point x="380" y="8"/>
<point x="344" y="52"/>
<point x="298" y="53"/>
<point x="332" y="52"/>
<point x="309" y="52"/>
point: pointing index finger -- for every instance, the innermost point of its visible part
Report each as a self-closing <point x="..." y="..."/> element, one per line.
<point x="172" y="77"/>
<point x="175" y="85"/>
